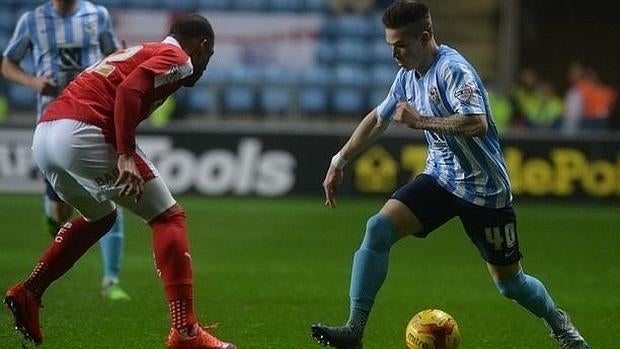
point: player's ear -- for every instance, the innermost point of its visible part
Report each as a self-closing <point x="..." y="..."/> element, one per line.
<point x="206" y="43"/>
<point x="425" y="37"/>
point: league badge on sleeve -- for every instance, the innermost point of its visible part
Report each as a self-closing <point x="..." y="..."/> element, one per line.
<point x="465" y="92"/>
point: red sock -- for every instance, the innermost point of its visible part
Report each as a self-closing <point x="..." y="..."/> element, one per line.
<point x="174" y="265"/>
<point x="71" y="242"/>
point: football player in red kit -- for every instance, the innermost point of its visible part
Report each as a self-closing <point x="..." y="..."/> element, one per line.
<point x="85" y="146"/>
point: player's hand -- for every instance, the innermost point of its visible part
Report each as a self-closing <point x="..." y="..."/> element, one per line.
<point x="129" y="180"/>
<point x="407" y="115"/>
<point x="43" y="85"/>
<point x="332" y="182"/>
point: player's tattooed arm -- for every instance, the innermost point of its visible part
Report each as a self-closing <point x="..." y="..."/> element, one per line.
<point x="457" y="124"/>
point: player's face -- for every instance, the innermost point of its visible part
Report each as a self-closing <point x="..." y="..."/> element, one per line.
<point x="407" y="49"/>
<point x="200" y="59"/>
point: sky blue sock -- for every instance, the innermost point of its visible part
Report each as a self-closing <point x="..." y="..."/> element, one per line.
<point x="370" y="265"/>
<point x="530" y="293"/>
<point x="112" y="248"/>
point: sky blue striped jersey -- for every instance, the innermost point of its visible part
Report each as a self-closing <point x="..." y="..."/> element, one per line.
<point x="62" y="46"/>
<point x="470" y="168"/>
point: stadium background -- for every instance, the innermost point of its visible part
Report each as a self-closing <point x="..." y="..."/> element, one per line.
<point x="247" y="148"/>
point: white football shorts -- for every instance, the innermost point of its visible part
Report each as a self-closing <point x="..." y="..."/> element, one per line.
<point x="81" y="167"/>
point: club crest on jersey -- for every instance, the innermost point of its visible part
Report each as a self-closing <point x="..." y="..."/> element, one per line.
<point x="89" y="28"/>
<point x="465" y="92"/>
<point x="433" y="95"/>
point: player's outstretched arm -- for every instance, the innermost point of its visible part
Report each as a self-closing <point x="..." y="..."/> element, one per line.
<point x="127" y="106"/>
<point x="331" y="183"/>
<point x="368" y="130"/>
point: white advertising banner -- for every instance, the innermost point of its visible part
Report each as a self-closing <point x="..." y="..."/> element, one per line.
<point x="138" y="26"/>
<point x="275" y="163"/>
<point x="241" y="38"/>
<point x="285" y="40"/>
<point x="242" y="167"/>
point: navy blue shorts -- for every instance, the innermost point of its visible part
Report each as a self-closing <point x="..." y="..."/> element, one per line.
<point x="50" y="193"/>
<point x="492" y="230"/>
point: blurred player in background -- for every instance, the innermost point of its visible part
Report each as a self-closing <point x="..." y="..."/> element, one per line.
<point x="65" y="37"/>
<point x="85" y="146"/>
<point x="438" y="91"/>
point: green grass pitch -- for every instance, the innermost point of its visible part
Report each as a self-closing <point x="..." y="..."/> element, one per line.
<point x="266" y="269"/>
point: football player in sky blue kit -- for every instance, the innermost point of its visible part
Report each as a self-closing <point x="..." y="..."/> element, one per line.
<point x="65" y="37"/>
<point x="438" y="91"/>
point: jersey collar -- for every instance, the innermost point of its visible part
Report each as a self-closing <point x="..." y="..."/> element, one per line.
<point x="74" y="11"/>
<point x="172" y="41"/>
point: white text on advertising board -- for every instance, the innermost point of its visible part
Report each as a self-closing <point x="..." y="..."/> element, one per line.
<point x="248" y="171"/>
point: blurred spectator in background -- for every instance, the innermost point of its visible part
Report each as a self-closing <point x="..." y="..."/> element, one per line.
<point x="525" y="96"/>
<point x="536" y="104"/>
<point x="573" y="101"/>
<point x="501" y="108"/>
<point x="546" y="110"/>
<point x="161" y="116"/>
<point x="588" y="102"/>
<point x="352" y="6"/>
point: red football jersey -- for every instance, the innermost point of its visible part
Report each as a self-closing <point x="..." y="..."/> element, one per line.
<point x="122" y="89"/>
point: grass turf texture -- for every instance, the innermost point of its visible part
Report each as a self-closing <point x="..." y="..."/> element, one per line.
<point x="266" y="269"/>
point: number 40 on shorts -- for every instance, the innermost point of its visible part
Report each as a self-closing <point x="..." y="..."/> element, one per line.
<point x="498" y="236"/>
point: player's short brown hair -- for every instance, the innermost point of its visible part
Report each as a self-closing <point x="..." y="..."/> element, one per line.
<point x="405" y="13"/>
<point x="192" y="25"/>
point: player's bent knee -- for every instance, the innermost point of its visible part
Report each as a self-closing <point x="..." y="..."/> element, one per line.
<point x="175" y="214"/>
<point x="105" y="223"/>
<point x="380" y="234"/>
<point x="60" y="211"/>
<point x="155" y="201"/>
<point x="97" y="211"/>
